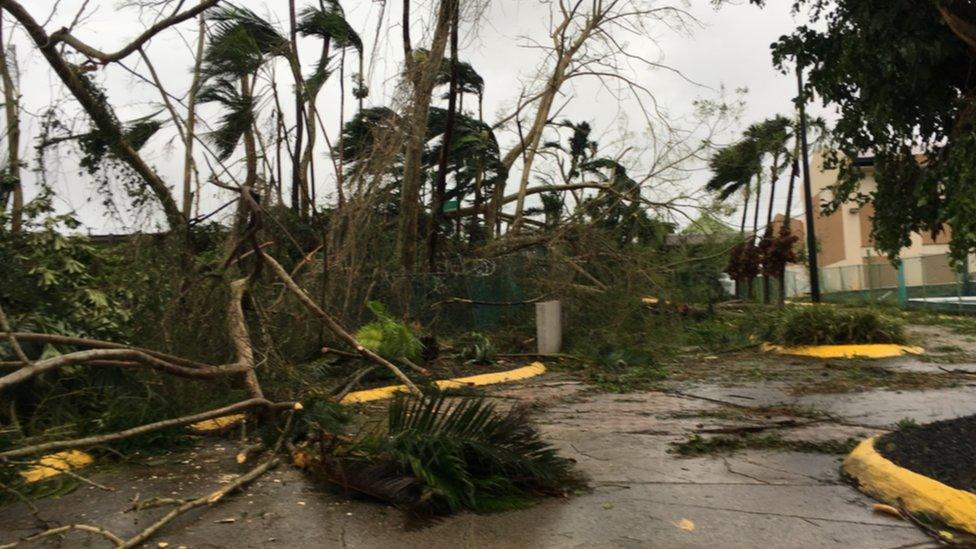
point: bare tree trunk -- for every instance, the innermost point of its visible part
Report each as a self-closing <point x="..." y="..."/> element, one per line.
<point x="742" y="231"/>
<point x="281" y="140"/>
<point x="441" y="190"/>
<point x="250" y="147"/>
<point x="11" y="106"/>
<point x="341" y="164"/>
<point x="564" y="51"/>
<point x="755" y="225"/>
<point x="311" y="112"/>
<point x="191" y="120"/>
<point x="963" y="28"/>
<point x="422" y="75"/>
<point x="296" y="159"/>
<point x="535" y="135"/>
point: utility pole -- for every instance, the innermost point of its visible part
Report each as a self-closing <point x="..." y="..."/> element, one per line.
<point x="807" y="191"/>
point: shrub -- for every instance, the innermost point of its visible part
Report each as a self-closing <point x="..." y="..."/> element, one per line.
<point x="826" y="325"/>
<point x="392" y="339"/>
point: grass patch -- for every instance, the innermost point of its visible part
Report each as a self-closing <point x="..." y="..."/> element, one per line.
<point x="697" y="445"/>
<point x="960" y="324"/>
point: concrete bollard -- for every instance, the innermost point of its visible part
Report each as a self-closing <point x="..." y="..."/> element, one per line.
<point x="548" y="327"/>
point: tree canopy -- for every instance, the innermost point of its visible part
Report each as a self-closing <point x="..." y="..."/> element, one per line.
<point x="920" y="131"/>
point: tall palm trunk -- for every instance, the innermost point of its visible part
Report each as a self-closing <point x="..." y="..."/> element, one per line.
<point x="191" y="120"/>
<point x="747" y="191"/>
<point x="787" y="223"/>
<point x="340" y="171"/>
<point x="768" y="232"/>
<point x="441" y="188"/>
<point x="755" y="227"/>
<point x="311" y="112"/>
<point x="296" y="178"/>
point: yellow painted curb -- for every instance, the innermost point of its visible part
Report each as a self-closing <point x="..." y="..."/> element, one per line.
<point x="53" y="465"/>
<point x="381" y="393"/>
<point x="883" y="480"/>
<point x="854" y="350"/>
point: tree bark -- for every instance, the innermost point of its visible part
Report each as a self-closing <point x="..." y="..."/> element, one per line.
<point x="565" y="53"/>
<point x="769" y="219"/>
<point x="63" y="35"/>
<point x="787" y="224"/>
<point x="963" y="29"/>
<point x="306" y="160"/>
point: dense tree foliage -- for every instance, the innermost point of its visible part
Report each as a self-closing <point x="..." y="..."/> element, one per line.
<point x="900" y="74"/>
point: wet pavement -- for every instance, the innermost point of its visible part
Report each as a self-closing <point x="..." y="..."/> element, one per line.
<point x="642" y="495"/>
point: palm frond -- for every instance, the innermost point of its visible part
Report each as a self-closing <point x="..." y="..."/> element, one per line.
<point x="469" y="454"/>
<point x="317" y="79"/>
<point x="359" y="134"/>
<point x="733" y="167"/>
<point x="438" y="454"/>
<point x="240" y="42"/>
<point x="468" y="79"/>
<point x="237" y="118"/>
<point x="329" y="24"/>
<point x="137" y="132"/>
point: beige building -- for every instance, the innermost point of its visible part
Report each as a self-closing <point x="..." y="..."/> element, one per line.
<point x="846" y="252"/>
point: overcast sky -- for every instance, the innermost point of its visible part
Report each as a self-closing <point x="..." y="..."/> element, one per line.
<point x="726" y="47"/>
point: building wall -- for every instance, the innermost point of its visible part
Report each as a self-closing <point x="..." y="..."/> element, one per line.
<point x="844" y="237"/>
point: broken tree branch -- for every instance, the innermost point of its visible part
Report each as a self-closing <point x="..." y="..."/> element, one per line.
<point x="116" y="540"/>
<point x="13" y="340"/>
<point x="100" y="344"/>
<point x="147" y="428"/>
<point x="83" y="357"/>
<point x="64" y="35"/>
<point x="212" y="498"/>
<point x="332" y="324"/>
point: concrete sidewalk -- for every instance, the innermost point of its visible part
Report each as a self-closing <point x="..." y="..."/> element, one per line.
<point x="642" y="496"/>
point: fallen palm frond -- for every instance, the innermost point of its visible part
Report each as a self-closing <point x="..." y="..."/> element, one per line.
<point x="438" y="455"/>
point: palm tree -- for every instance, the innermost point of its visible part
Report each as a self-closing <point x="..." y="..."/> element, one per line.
<point x="772" y="137"/>
<point x="328" y="23"/>
<point x="733" y="168"/>
<point x="240" y="44"/>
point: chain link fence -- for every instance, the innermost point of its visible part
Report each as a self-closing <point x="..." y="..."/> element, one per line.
<point x="922" y="282"/>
